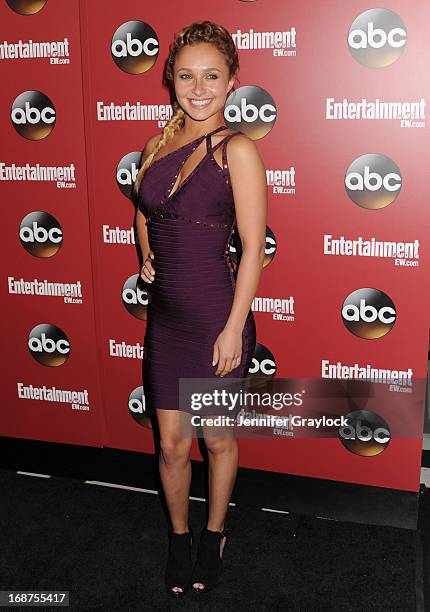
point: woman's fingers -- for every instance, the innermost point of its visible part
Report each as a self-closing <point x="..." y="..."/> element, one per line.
<point x="227" y="364"/>
<point x="147" y="272"/>
<point x="215" y="355"/>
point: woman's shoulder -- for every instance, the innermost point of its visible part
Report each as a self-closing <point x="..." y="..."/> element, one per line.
<point x="241" y="146"/>
<point x="244" y="160"/>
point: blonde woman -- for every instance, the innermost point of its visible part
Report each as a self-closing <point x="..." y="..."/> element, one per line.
<point x="198" y="181"/>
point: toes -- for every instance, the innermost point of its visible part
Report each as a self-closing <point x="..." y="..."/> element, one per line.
<point x="198" y="585"/>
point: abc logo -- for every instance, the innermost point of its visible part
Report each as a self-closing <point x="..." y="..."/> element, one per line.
<point x="40" y="234"/>
<point x="126" y="172"/>
<point x="49" y="345"/>
<point x="367" y="434"/>
<point x="373" y="181"/>
<point x="368" y="313"/>
<point x="235" y="248"/>
<point x="135" y="297"/>
<point x="250" y="110"/>
<point x="33" y="115"/>
<point x="134" y="47"/>
<point x="263" y="366"/>
<point x="377" y="38"/>
<point x="138" y="407"/>
<point x="26" y="7"/>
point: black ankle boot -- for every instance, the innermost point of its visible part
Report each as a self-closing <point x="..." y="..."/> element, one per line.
<point x="178" y="568"/>
<point x="208" y="566"/>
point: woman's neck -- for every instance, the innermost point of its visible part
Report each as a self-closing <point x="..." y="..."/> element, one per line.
<point x="194" y="129"/>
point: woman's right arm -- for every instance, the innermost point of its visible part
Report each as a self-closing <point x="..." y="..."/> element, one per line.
<point x="147" y="272"/>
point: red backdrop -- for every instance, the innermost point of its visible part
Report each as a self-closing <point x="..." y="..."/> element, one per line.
<point x="315" y="60"/>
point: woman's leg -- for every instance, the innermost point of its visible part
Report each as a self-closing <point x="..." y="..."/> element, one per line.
<point x="175" y="464"/>
<point x="223" y="454"/>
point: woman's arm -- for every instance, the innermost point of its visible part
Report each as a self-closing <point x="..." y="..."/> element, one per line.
<point x="249" y="184"/>
<point x="147" y="273"/>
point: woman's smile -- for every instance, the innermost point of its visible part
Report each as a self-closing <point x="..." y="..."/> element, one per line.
<point x="200" y="103"/>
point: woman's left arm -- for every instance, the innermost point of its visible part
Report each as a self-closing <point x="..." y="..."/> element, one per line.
<point x="249" y="185"/>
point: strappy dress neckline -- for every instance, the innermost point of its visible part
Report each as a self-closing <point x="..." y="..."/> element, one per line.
<point x="218" y="129"/>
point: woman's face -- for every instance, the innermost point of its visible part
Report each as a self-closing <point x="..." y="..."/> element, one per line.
<point x="201" y="79"/>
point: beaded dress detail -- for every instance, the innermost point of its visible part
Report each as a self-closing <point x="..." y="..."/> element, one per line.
<point x="189" y="230"/>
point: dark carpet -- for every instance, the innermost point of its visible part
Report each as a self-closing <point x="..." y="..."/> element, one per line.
<point x="108" y="548"/>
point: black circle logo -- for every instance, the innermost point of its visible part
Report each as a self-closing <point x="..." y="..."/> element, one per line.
<point x="263" y="366"/>
<point x="33" y="115"/>
<point x="367" y="434"/>
<point x="136" y="297"/>
<point x="251" y="110"/>
<point x="126" y="172"/>
<point x="137" y="406"/>
<point x="134" y="47"/>
<point x="26" y="7"/>
<point x="368" y="313"/>
<point x="373" y="181"/>
<point x="40" y="234"/>
<point x="49" y="345"/>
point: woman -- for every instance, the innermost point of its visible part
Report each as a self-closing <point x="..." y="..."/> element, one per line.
<point x="191" y="192"/>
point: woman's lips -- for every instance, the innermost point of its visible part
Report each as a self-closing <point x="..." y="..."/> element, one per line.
<point x="203" y="103"/>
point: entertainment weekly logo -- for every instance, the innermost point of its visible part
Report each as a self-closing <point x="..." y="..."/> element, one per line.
<point x="63" y="177"/>
<point x="282" y="182"/>
<point x="283" y="43"/>
<point x="136" y="111"/>
<point x="398" y="381"/>
<point x="71" y="293"/>
<point x="77" y="400"/>
<point x="118" y="235"/>
<point x="123" y="350"/>
<point x="281" y="309"/>
<point x="403" y="254"/>
<point x="410" y="114"/>
<point x="56" y="51"/>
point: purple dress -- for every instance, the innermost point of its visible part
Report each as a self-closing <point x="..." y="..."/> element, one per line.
<point x="192" y="292"/>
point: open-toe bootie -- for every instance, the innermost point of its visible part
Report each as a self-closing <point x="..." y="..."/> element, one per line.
<point x="178" y="568"/>
<point x="208" y="566"/>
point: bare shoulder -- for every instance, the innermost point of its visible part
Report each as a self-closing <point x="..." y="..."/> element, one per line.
<point x="242" y="145"/>
<point x="243" y="155"/>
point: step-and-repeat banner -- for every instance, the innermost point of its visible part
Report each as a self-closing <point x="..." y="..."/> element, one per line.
<point x="335" y="96"/>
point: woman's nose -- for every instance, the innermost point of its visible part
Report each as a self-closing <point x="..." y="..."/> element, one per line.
<point x="198" y="87"/>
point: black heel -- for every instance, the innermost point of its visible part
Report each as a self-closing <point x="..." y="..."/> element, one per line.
<point x="208" y="566"/>
<point x="178" y="568"/>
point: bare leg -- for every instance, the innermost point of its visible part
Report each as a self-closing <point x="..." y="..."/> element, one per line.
<point x="175" y="468"/>
<point x="223" y="454"/>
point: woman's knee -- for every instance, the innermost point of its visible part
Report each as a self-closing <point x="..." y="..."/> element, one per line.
<point x="175" y="450"/>
<point x="218" y="445"/>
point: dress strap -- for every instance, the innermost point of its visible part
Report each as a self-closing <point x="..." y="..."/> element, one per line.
<point x="209" y="147"/>
<point x="223" y="143"/>
<point x="218" y="129"/>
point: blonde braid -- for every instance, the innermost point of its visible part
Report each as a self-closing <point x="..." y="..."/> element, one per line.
<point x="173" y="125"/>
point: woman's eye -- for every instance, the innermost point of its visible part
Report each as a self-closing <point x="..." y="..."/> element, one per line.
<point x="213" y="75"/>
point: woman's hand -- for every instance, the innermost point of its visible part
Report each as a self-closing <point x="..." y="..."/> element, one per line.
<point x="227" y="351"/>
<point x="147" y="272"/>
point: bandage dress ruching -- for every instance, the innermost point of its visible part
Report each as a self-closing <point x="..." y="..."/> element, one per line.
<point x="190" y="298"/>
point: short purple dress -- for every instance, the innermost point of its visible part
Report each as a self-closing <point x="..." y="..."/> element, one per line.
<point x="192" y="293"/>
